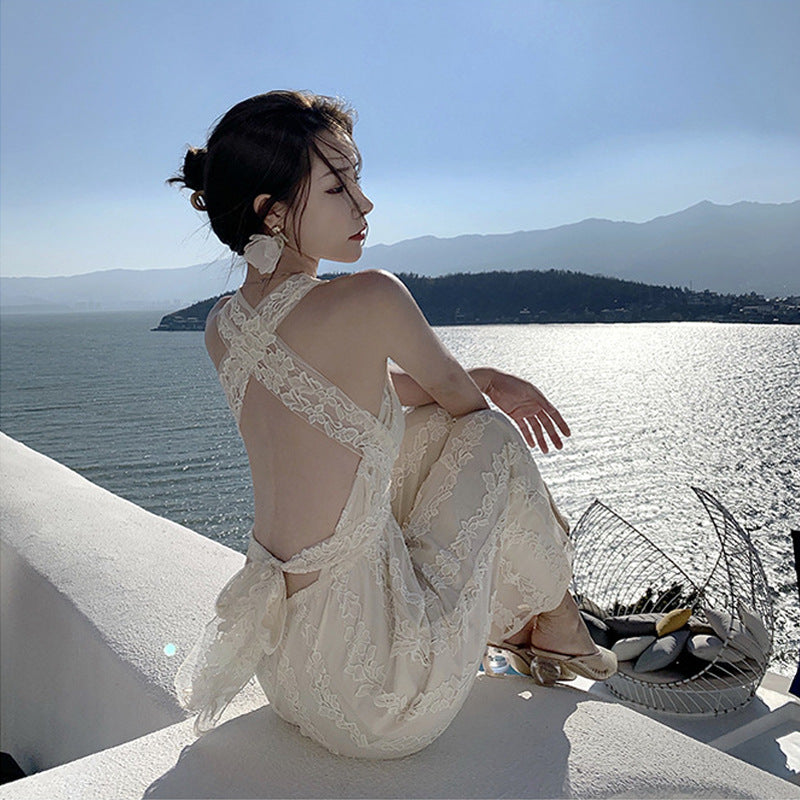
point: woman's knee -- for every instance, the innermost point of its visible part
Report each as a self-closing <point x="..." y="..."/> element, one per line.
<point x="496" y="425"/>
<point x="485" y="417"/>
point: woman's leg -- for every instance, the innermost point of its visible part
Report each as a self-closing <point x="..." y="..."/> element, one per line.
<point x="532" y="517"/>
<point x="467" y="490"/>
<point x="426" y="431"/>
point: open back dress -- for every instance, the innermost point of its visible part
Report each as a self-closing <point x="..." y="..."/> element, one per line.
<point x="448" y="540"/>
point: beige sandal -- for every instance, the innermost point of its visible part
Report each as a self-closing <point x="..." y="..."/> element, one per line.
<point x="545" y="673"/>
<point x="597" y="666"/>
<point x="547" y="667"/>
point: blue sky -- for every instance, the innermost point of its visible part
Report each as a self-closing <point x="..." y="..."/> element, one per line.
<point x="474" y="117"/>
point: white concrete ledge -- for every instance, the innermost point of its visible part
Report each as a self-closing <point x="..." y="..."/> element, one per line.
<point x="93" y="587"/>
<point x="560" y="742"/>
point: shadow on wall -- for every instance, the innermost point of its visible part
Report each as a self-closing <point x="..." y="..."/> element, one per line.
<point x="515" y="747"/>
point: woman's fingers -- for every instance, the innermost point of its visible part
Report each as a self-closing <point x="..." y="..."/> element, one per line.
<point x="522" y="424"/>
<point x="538" y="422"/>
<point x="538" y="433"/>
<point x="537" y="418"/>
<point x="554" y="414"/>
<point x="551" y="431"/>
<point x="558" y="419"/>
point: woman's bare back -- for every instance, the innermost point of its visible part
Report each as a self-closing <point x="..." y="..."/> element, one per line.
<point x="301" y="477"/>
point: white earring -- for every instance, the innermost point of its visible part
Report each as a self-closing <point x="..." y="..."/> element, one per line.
<point x="263" y="251"/>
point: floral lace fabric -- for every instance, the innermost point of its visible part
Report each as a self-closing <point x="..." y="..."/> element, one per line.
<point x="449" y="539"/>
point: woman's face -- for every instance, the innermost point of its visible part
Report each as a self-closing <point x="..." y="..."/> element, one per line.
<point x="331" y="224"/>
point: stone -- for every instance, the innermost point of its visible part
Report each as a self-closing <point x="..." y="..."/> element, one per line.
<point x="696" y="625"/>
<point x="728" y="628"/>
<point x="755" y="626"/>
<point x="588" y="605"/>
<point x="598" y="630"/>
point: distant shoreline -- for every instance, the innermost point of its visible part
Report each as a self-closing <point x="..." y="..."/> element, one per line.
<point x="199" y="325"/>
<point x="554" y="296"/>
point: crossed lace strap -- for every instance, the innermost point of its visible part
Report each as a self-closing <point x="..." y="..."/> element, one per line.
<point x="249" y="332"/>
<point x="251" y="608"/>
<point x="254" y="350"/>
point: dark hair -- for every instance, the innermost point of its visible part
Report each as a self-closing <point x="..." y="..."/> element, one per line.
<point x="263" y="146"/>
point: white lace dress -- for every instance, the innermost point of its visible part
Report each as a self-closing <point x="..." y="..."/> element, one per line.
<point x="448" y="540"/>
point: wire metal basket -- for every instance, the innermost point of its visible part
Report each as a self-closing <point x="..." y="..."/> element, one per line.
<point x="618" y="571"/>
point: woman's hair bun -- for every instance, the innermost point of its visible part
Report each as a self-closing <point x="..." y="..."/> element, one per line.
<point x="193" y="174"/>
<point x="194" y="168"/>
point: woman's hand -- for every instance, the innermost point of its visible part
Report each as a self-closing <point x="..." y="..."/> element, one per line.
<point x="533" y="413"/>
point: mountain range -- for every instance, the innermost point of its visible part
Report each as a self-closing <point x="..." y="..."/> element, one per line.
<point x="740" y="248"/>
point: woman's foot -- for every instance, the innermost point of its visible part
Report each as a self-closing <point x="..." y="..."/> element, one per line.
<point x="561" y="630"/>
<point x="556" y="646"/>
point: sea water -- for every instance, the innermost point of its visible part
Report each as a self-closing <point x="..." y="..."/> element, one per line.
<point x="654" y="409"/>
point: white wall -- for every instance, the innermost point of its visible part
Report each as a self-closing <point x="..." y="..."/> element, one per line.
<point x="64" y="692"/>
<point x="92" y="589"/>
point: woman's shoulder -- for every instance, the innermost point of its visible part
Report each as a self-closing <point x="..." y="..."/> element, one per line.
<point x="214" y="344"/>
<point x="371" y="287"/>
<point x="217" y="307"/>
<point x="211" y="317"/>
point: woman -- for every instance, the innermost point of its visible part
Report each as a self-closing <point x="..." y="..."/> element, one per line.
<point x="388" y="548"/>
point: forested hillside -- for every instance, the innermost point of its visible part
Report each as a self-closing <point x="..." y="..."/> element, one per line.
<point x="553" y="296"/>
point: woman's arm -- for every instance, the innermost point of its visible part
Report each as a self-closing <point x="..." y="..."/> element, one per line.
<point x="401" y="332"/>
<point x="412" y="394"/>
<point x="432" y="374"/>
<point x="533" y="413"/>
